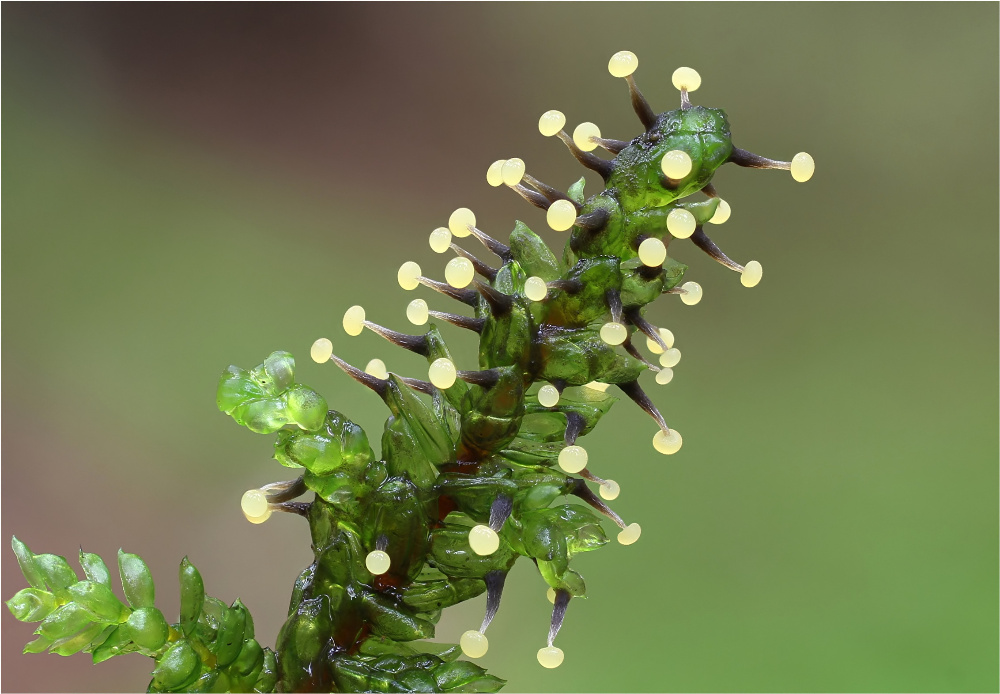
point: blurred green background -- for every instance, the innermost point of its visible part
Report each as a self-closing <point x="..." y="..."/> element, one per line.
<point x="189" y="186"/>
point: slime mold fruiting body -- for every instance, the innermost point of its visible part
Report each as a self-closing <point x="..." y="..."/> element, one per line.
<point x="475" y="464"/>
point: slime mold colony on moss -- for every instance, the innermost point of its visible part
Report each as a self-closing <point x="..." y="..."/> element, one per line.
<point x="474" y="463"/>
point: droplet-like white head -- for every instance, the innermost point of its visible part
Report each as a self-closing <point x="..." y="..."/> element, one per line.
<point x="459" y="272"/>
<point x="474" y="644"/>
<point x="686" y="78"/>
<point x="609" y="490"/>
<point x="548" y="395"/>
<point x="654" y="346"/>
<point x="691" y="293"/>
<point x="652" y="252"/>
<point x="676" y="164"/>
<point x="321" y="350"/>
<point x="623" y="64"/>
<point x="630" y="534"/>
<point x="483" y="540"/>
<point x="460" y="221"/>
<point x="255" y="506"/>
<point x="354" y="321"/>
<point x="664" y="376"/>
<point x="442" y="373"/>
<point x="614" y="333"/>
<point x="512" y="171"/>
<point x="681" y="223"/>
<point x="407" y="275"/>
<point x="802" y="167"/>
<point x="493" y="176"/>
<point x="583" y="134"/>
<point x="535" y="288"/>
<point x="572" y="459"/>
<point x="551" y="123"/>
<point x="722" y="213"/>
<point x="752" y="274"/>
<point x="376" y="368"/>
<point x="377" y="562"/>
<point x="561" y="215"/>
<point x="670" y="358"/>
<point x="550" y="657"/>
<point x="440" y="240"/>
<point x="416" y="312"/>
<point x="667" y="442"/>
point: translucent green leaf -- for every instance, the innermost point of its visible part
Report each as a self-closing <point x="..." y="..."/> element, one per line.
<point x="147" y="628"/>
<point x="94" y="568"/>
<point x="137" y="581"/>
<point x="65" y="621"/>
<point x="177" y="666"/>
<point x="77" y="642"/>
<point x="575" y="191"/>
<point x="229" y="641"/>
<point x="305" y="407"/>
<point x="192" y="596"/>
<point x="58" y="574"/>
<point x="99" y="600"/>
<point x="32" y="605"/>
<point x="280" y="369"/>
<point x="235" y="388"/>
<point x="29" y="567"/>
<point x="463" y="676"/>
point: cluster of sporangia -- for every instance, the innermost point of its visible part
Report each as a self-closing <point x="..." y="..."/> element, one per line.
<point x="470" y="473"/>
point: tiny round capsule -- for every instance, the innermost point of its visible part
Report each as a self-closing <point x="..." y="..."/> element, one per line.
<point x="722" y="213"/>
<point x="667" y="442"/>
<point x="686" y="78"/>
<point x="583" y="134"/>
<point x="377" y="562"/>
<point x="376" y="368"/>
<point x="664" y="376"/>
<point x="535" y="288"/>
<point x="493" y="176"/>
<point x="483" y="540"/>
<point x="442" y="373"/>
<point x="459" y="272"/>
<point x="417" y="312"/>
<point x="752" y="273"/>
<point x="623" y="64"/>
<point x="802" y="167"/>
<point x="440" y="240"/>
<point x="676" y="164"/>
<point x="614" y="333"/>
<point x="474" y="644"/>
<point x="551" y="123"/>
<point x="670" y="358"/>
<point x="354" y="321"/>
<point x="407" y="275"/>
<point x="630" y="534"/>
<point x="561" y="215"/>
<point x="572" y="459"/>
<point x="654" y="346"/>
<point x="254" y="503"/>
<point x="321" y="350"/>
<point x="548" y="395"/>
<point x="512" y="171"/>
<point x="460" y="221"/>
<point x="550" y="657"/>
<point x="609" y="490"/>
<point x="652" y="252"/>
<point x="691" y="293"/>
<point x="681" y="223"/>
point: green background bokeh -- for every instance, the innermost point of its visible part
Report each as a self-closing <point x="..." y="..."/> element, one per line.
<point x="189" y="186"/>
